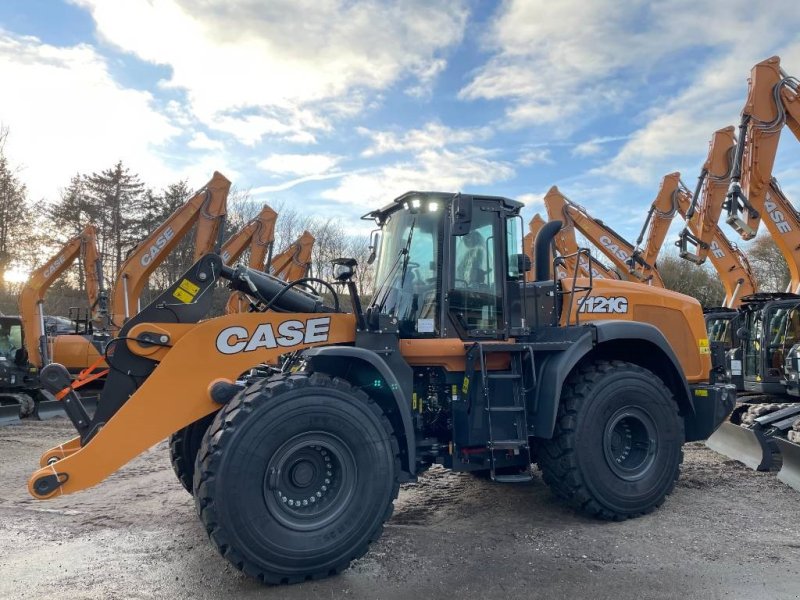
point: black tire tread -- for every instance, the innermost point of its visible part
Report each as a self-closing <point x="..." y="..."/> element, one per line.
<point x="209" y="456"/>
<point x="557" y="458"/>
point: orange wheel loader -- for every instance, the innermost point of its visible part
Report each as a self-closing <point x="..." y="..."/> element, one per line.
<point x="457" y="361"/>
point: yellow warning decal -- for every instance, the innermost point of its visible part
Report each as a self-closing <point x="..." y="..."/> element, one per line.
<point x="414" y="401"/>
<point x="465" y="386"/>
<point x="703" y="345"/>
<point x="186" y="291"/>
<point x="701" y="392"/>
<point x="188" y="286"/>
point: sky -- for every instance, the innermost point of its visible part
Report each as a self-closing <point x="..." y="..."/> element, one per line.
<point x="336" y="107"/>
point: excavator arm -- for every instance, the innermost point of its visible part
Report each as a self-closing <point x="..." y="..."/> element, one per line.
<point x="618" y="250"/>
<point x="772" y="102"/>
<point x="705" y="210"/>
<point x="31" y="299"/>
<point x="207" y="208"/>
<point x="659" y="218"/>
<point x="294" y="262"/>
<point x="259" y="234"/>
<point x="729" y="261"/>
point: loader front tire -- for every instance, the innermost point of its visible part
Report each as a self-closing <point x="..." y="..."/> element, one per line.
<point x="296" y="476"/>
<point x="617" y="445"/>
<point x="184" y="445"/>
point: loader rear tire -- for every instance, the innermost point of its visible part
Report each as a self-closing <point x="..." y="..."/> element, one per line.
<point x="617" y="446"/>
<point x="184" y="445"/>
<point x="296" y="476"/>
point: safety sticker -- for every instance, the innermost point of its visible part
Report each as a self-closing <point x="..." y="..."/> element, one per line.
<point x="186" y="291"/>
<point x="703" y="345"/>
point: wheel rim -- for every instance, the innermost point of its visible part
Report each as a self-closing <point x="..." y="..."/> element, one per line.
<point x="629" y="443"/>
<point x="309" y="480"/>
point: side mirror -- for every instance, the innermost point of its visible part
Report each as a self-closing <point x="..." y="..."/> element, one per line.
<point x="743" y="333"/>
<point x="523" y="263"/>
<point x="344" y="268"/>
<point x="374" y="238"/>
<point x="461" y="214"/>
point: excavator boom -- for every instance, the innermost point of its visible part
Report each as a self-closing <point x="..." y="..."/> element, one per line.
<point x="207" y="208"/>
<point x="294" y="262"/>
<point x="709" y="197"/>
<point x="656" y="225"/>
<point x="609" y="242"/>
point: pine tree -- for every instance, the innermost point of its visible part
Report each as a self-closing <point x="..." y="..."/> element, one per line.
<point x="15" y="214"/>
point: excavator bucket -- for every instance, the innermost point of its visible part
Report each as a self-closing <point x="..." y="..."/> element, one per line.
<point x="48" y="407"/>
<point x="790" y="469"/>
<point x="9" y="411"/>
<point x="748" y="446"/>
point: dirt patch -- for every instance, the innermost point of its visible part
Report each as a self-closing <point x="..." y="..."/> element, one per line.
<point x="725" y="531"/>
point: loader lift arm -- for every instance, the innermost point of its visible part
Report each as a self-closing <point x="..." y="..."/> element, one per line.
<point x="618" y="250"/>
<point x="207" y="208"/>
<point x="773" y="101"/>
<point x="31" y="299"/>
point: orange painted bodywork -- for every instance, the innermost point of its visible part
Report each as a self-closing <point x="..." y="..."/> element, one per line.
<point x="294" y="262"/>
<point x="678" y="317"/>
<point x="176" y="393"/>
<point x="659" y="218"/>
<point x="207" y="208"/>
<point x="31" y="299"/>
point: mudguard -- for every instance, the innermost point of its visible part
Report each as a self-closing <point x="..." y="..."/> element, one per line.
<point x="395" y="387"/>
<point x="633" y="341"/>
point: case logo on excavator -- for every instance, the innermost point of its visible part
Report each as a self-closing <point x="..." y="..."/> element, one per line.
<point x="614" y="248"/>
<point x="603" y="304"/>
<point x="157" y="246"/>
<point x="56" y="263"/>
<point x="777" y="216"/>
<point x="716" y="250"/>
<point x="286" y="334"/>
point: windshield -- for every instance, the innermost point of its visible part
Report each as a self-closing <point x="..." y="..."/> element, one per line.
<point x="10" y="339"/>
<point x="406" y="270"/>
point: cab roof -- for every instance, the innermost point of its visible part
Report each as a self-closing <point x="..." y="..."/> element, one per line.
<point x="380" y="215"/>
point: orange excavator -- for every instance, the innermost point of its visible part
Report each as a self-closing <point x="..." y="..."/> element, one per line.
<point x="259" y="235"/>
<point x="26" y="346"/>
<point x="770" y="331"/>
<point x="618" y="250"/>
<point x="31" y="299"/>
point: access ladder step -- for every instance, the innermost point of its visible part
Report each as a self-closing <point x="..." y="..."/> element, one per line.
<point x="507" y="444"/>
<point x="505" y="408"/>
<point x="516" y="478"/>
<point x="503" y="376"/>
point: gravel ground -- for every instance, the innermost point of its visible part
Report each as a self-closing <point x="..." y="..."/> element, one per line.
<point x="726" y="532"/>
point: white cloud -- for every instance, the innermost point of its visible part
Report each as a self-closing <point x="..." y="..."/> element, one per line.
<point x="561" y="63"/>
<point x="535" y="156"/>
<point x="531" y="200"/>
<point x="432" y="169"/>
<point x="200" y="141"/>
<point x="67" y="114"/>
<point x="287" y="56"/>
<point x="683" y="126"/>
<point x="432" y="135"/>
<point x="299" y="164"/>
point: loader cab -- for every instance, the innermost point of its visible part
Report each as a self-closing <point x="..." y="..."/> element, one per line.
<point x="770" y="328"/>
<point x="446" y="263"/>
